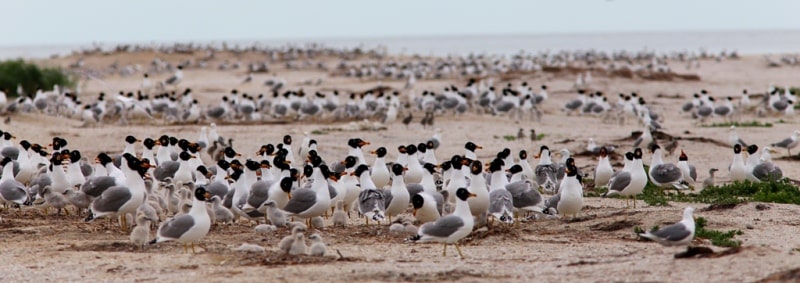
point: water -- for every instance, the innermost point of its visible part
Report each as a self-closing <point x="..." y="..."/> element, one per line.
<point x="745" y="42"/>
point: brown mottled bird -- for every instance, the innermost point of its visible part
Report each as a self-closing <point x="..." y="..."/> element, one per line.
<point x="533" y="135"/>
<point x="521" y="134"/>
<point x="407" y="120"/>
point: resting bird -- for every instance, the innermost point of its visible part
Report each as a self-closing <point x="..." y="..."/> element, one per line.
<point x="450" y="229"/>
<point x="678" y="234"/>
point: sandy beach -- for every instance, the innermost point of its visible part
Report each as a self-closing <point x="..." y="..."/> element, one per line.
<point x="600" y="246"/>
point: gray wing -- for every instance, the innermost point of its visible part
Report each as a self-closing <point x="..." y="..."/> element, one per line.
<point x="501" y="201"/>
<point x="674" y="232"/>
<point x="666" y="173"/>
<point x="443" y="227"/>
<point x="693" y="172"/>
<point x="414" y="189"/>
<point x="112" y="199"/>
<point x="215" y="112"/>
<point x="10" y="152"/>
<point x="165" y="170"/>
<point x="561" y="170"/>
<point x="545" y="174"/>
<point x="176" y="227"/>
<point x="439" y="202"/>
<point x="741" y="142"/>
<point x="86" y="169"/>
<point x="387" y="197"/>
<point x="523" y="194"/>
<point x="783" y="143"/>
<point x="302" y="200"/>
<point x="332" y="191"/>
<point x="767" y="171"/>
<point x="259" y="192"/>
<point x="619" y="182"/>
<point x="218" y="189"/>
<point x="552" y="202"/>
<point x="97" y="185"/>
<point x="13" y="191"/>
<point x="369" y="199"/>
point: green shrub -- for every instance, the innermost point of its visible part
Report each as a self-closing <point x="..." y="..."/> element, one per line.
<point x="31" y="77"/>
<point x="718" y="238"/>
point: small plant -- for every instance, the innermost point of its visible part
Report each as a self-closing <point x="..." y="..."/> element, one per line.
<point x="718" y="238"/>
<point x="540" y="136"/>
<point x="750" y="124"/>
<point x="318" y="132"/>
<point x="30" y="77"/>
<point x="509" y="138"/>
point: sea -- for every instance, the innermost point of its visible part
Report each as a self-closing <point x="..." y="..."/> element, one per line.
<point x="742" y="42"/>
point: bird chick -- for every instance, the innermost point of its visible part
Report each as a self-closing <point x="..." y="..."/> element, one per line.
<point x="221" y="213"/>
<point x="265" y="229"/>
<point x="275" y="216"/>
<point x="298" y="245"/>
<point x="317" y="222"/>
<point x="140" y="235"/>
<point x="339" y="216"/>
<point x="286" y="243"/>
<point x="709" y="182"/>
<point x="317" y="248"/>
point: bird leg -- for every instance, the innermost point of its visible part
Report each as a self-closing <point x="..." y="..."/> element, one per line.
<point x="444" y="252"/>
<point x="459" y="251"/>
<point x="634" y="201"/>
<point x="194" y="252"/>
<point x="185" y="248"/>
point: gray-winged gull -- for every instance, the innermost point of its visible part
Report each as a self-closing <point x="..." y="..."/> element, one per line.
<point x="450" y="229"/>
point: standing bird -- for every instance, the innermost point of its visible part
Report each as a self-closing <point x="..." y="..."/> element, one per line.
<point x="604" y="171"/>
<point x="450" y="229"/>
<point x="317" y="247"/>
<point x="737" y="169"/>
<point x="189" y="227"/>
<point x="789" y="143"/>
<point x="397" y="198"/>
<point x="407" y="119"/>
<point x="709" y="182"/>
<point x="631" y="182"/>
<point x="687" y="170"/>
<point x="678" y="234"/>
<point x="571" y="194"/>
<point x="141" y="233"/>
<point x="176" y="78"/>
<point x="380" y="172"/>
<point x="664" y="174"/>
<point x="734" y="139"/>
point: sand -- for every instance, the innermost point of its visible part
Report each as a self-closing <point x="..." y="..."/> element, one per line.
<point x="599" y="246"/>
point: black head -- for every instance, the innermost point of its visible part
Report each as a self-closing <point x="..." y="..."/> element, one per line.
<point x="163" y="140"/>
<point x="542" y="149"/>
<point x="446" y="165"/>
<point x="308" y="170"/>
<point x="637" y="153"/>
<point x="429" y="145"/>
<point x="201" y="194"/>
<point x="380" y="152"/>
<point x="361" y="169"/>
<point x="422" y="147"/>
<point x="496" y="165"/>
<point x="149" y="143"/>
<point x="505" y="153"/>
<point x="356" y="143"/>
<point x="654" y="147"/>
<point x="202" y="169"/>
<point x="523" y="154"/>
<point x="752" y="149"/>
<point x="5" y="161"/>
<point x="572" y="171"/>
<point x="230" y="153"/>
<point x="74" y="156"/>
<point x="286" y="184"/>
<point x="25" y="144"/>
<point x="185" y="156"/>
<point x="737" y="148"/>
<point x="173" y="141"/>
<point x="430" y="167"/>
<point x="398" y="169"/>
<point x="603" y="152"/>
<point x="287" y="140"/>
<point x="252" y="165"/>
<point x="104" y="159"/>
<point x="402" y="149"/>
<point x="515" y="169"/>
<point x="476" y="167"/>
<point x="130" y="139"/>
<point x="463" y="194"/>
<point x="265" y="164"/>
<point x="411" y="149"/>
<point x="349" y="161"/>
<point x="224" y="165"/>
<point x="683" y="156"/>
<point x="417" y="201"/>
<point x="471" y="146"/>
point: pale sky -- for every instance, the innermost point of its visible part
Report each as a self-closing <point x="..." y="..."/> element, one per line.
<point x="48" y="22"/>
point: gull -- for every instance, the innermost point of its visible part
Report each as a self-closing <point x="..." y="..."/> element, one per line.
<point x="678" y="234"/>
<point x="397" y="198"/>
<point x="737" y="168"/>
<point x="733" y="137"/>
<point x="789" y="143"/>
<point x="478" y="205"/>
<point x="380" y="173"/>
<point x="664" y="174"/>
<point x="450" y="229"/>
<point x="570" y="201"/>
<point x="687" y="170"/>
<point x="189" y="227"/>
<point x="370" y="201"/>
<point x="501" y="202"/>
<point x="339" y="217"/>
<point x="314" y="201"/>
<point x="629" y="182"/>
<point x="603" y="171"/>
<point x="545" y="171"/>
<point x="221" y="213"/>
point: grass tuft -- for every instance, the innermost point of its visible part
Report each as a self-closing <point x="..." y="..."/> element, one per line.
<point x="717" y="238"/>
<point x="750" y="124"/>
